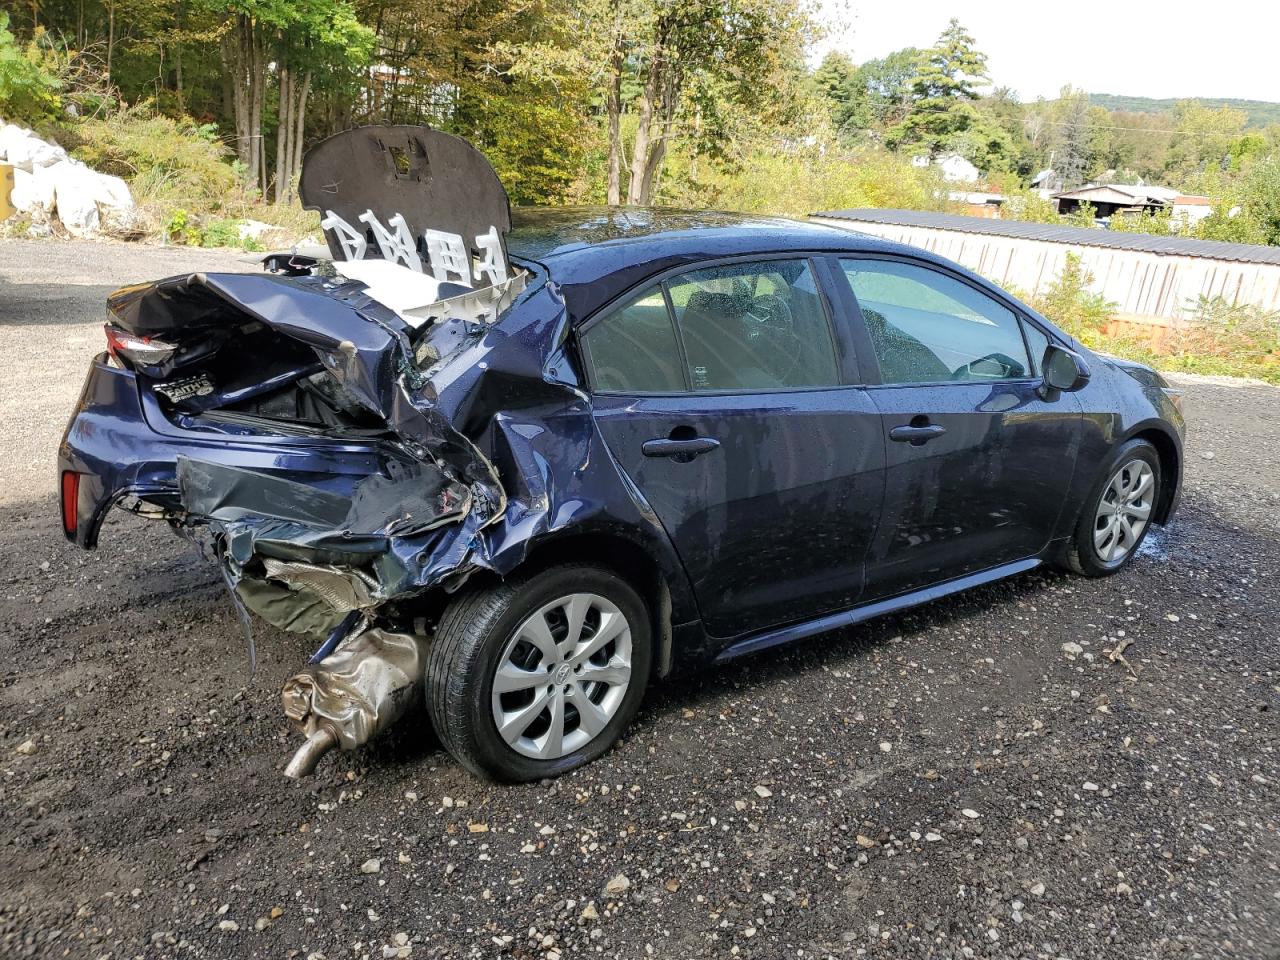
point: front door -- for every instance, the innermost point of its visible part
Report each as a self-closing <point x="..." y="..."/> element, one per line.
<point x="721" y="393"/>
<point x="978" y="463"/>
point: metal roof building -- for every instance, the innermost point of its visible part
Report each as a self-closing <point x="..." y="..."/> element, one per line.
<point x="1151" y="278"/>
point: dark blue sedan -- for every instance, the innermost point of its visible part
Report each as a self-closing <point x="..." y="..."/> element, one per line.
<point x="664" y="440"/>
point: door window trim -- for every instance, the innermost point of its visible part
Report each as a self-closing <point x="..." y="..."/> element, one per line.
<point x="867" y="348"/>
<point x="843" y="350"/>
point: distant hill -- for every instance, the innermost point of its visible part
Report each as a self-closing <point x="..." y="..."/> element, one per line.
<point x="1260" y="112"/>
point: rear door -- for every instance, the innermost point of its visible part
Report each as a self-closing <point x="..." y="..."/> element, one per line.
<point x="978" y="464"/>
<point x="727" y="397"/>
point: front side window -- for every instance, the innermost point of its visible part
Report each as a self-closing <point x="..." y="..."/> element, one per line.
<point x="754" y="326"/>
<point x="927" y="327"/>
<point x="634" y="349"/>
<point x="1038" y="341"/>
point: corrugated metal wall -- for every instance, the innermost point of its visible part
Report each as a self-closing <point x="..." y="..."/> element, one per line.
<point x="1147" y="286"/>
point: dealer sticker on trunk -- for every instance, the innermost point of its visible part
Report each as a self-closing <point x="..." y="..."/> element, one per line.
<point x="185" y="388"/>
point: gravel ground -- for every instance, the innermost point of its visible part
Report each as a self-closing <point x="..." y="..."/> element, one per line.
<point x="948" y="782"/>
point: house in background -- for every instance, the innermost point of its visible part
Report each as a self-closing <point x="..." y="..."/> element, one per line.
<point x="1188" y="209"/>
<point x="978" y="203"/>
<point x="1108" y="199"/>
<point x="1046" y="183"/>
<point x="955" y="168"/>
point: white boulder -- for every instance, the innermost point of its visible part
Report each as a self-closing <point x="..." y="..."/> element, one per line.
<point x="45" y="177"/>
<point x="11" y="136"/>
<point x="32" y="191"/>
<point x="26" y="151"/>
<point x="112" y="192"/>
<point x="76" y="197"/>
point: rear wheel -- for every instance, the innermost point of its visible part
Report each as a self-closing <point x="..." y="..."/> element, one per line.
<point x="536" y="676"/>
<point x="1117" y="515"/>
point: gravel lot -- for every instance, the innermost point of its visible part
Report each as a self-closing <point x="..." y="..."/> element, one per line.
<point x="948" y="782"/>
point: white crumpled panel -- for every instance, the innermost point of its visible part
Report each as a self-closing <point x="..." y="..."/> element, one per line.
<point x="45" y="177"/>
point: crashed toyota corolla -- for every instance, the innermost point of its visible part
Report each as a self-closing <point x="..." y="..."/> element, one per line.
<point x="523" y="472"/>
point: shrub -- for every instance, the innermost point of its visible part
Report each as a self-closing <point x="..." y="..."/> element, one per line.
<point x="1085" y="215"/>
<point x="801" y="181"/>
<point x="1029" y="207"/>
<point x="29" y="80"/>
<point x="1159" y="223"/>
<point x="1231" y="225"/>
<point x="1217" y="328"/>
<point x="166" y="161"/>
<point x="1070" y="302"/>
<point x="179" y="227"/>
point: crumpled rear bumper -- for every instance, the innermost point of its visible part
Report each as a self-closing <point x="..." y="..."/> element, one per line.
<point x="120" y="444"/>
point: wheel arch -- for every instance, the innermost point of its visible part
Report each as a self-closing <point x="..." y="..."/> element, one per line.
<point x="628" y="560"/>
<point x="1170" y="453"/>
<point x="618" y="554"/>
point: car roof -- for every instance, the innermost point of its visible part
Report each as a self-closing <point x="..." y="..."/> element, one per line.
<point x="543" y="233"/>
<point x="597" y="253"/>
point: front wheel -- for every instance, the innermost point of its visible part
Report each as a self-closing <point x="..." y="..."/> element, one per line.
<point x="1117" y="515"/>
<point x="535" y="676"/>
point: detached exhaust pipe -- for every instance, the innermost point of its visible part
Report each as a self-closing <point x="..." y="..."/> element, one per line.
<point x="353" y="694"/>
<point x="303" y="763"/>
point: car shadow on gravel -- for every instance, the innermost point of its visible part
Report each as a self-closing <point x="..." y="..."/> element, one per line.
<point x="35" y="305"/>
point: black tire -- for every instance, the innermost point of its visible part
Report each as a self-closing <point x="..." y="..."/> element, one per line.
<point x="471" y="638"/>
<point x="1081" y="555"/>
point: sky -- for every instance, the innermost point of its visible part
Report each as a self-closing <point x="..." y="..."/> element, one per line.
<point x="1175" y="49"/>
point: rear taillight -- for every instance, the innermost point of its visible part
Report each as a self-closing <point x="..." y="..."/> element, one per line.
<point x="132" y="349"/>
<point x="70" y="499"/>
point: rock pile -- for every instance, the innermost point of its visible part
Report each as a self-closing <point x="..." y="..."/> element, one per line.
<point x="47" y="179"/>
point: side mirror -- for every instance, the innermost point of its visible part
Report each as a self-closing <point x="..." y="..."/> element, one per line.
<point x="1064" y="371"/>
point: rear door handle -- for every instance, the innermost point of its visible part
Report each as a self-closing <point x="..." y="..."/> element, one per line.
<point x="909" y="434"/>
<point x="681" y="450"/>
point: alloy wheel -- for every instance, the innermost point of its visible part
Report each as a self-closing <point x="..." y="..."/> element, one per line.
<point x="562" y="676"/>
<point x="1123" y="511"/>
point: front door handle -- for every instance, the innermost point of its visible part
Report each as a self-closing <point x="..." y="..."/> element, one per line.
<point x="917" y="435"/>
<point x="680" y="450"/>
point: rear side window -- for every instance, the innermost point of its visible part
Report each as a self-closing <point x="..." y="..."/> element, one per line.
<point x="927" y="327"/>
<point x="634" y="349"/>
<point x="754" y="326"/>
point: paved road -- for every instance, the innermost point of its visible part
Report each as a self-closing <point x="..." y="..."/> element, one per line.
<point x="944" y="782"/>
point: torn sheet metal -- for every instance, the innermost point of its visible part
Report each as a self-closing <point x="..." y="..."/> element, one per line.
<point x="309" y="598"/>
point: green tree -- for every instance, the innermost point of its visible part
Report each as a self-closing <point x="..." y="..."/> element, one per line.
<point x="839" y="84"/>
<point x="702" y="66"/>
<point x="943" y="92"/>
<point x="1261" y="198"/>
<point x="887" y="84"/>
<point x="1071" y="141"/>
<point x="996" y="141"/>
<point x="281" y="44"/>
<point x="323" y="42"/>
<point x="29" y="83"/>
<point x="1202" y="142"/>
